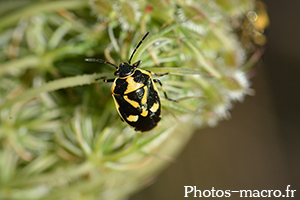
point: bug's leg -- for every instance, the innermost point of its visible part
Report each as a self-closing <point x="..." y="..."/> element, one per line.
<point x="162" y="88"/>
<point x="105" y="79"/>
<point x="108" y="80"/>
<point x="163" y="74"/>
<point x="155" y="74"/>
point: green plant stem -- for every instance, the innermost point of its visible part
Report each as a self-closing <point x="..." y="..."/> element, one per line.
<point x="173" y="70"/>
<point x="13" y="66"/>
<point x="128" y="151"/>
<point x="45" y="60"/>
<point x="51" y="86"/>
<point x="203" y="61"/>
<point x="80" y="170"/>
<point x="41" y="7"/>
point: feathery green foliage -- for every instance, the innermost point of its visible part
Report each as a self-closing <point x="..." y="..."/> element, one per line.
<point x="60" y="134"/>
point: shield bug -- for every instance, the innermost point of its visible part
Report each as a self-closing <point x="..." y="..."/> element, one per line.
<point x="135" y="94"/>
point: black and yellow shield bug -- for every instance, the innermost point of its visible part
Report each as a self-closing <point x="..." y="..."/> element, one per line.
<point x="135" y="94"/>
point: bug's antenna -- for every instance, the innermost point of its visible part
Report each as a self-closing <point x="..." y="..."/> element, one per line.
<point x="139" y="44"/>
<point x="100" y="61"/>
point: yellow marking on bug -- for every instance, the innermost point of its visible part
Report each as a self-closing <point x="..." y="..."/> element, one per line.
<point x="118" y="106"/>
<point x="116" y="103"/>
<point x="113" y="86"/>
<point x="144" y="113"/>
<point x="145" y="72"/>
<point x="154" y="108"/>
<point x="133" y="103"/>
<point x="144" y="99"/>
<point x="132" y="118"/>
<point x="132" y="85"/>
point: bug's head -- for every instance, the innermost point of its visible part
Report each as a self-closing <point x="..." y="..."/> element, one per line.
<point x="125" y="69"/>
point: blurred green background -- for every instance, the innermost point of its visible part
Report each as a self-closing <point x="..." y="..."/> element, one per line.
<point x="258" y="148"/>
